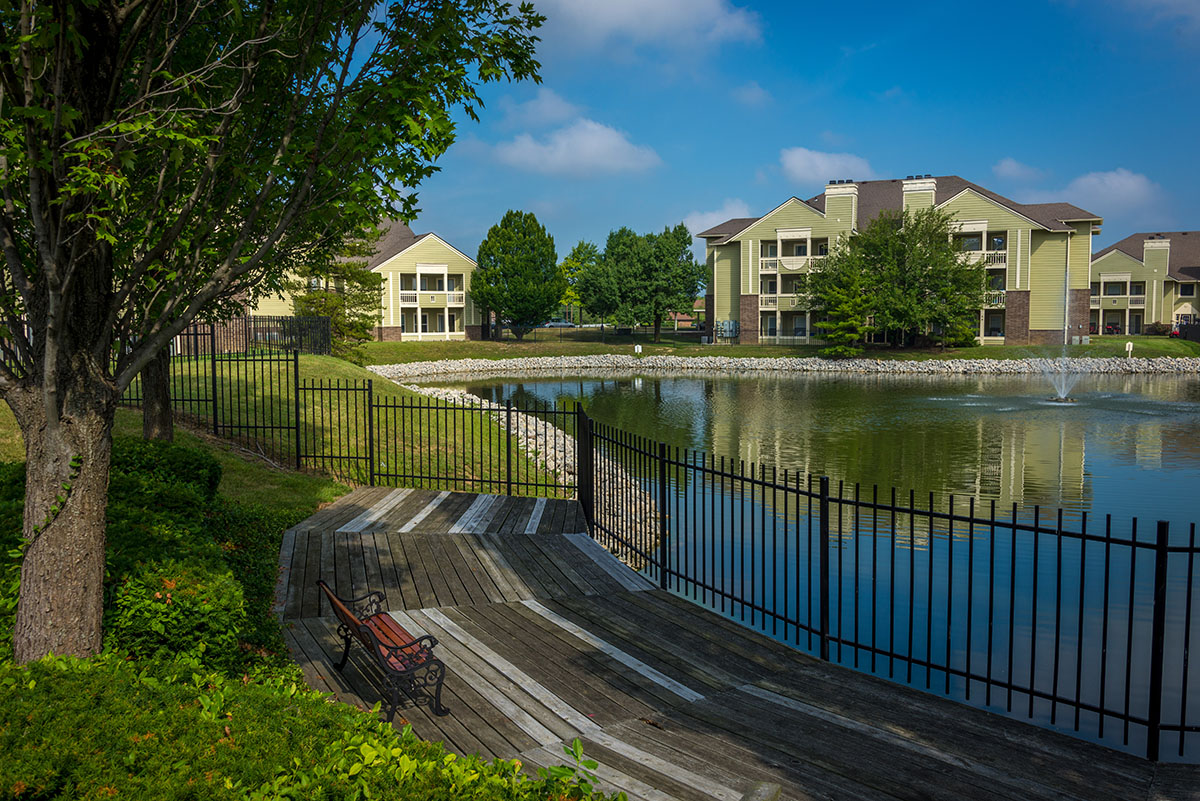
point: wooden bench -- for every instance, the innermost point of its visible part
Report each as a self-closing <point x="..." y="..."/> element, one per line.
<point x="407" y="662"/>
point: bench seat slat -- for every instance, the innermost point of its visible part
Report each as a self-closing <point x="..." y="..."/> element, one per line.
<point x="392" y="633"/>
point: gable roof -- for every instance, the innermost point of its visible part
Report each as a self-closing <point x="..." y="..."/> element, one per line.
<point x="875" y="197"/>
<point x="396" y="237"/>
<point x="1183" y="260"/>
<point x="722" y="231"/>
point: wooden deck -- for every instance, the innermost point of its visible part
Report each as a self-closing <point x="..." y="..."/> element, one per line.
<point x="547" y="637"/>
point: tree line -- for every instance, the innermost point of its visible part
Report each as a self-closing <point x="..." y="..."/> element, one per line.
<point x="638" y="279"/>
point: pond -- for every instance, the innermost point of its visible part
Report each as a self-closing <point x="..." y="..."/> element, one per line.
<point x="1129" y="446"/>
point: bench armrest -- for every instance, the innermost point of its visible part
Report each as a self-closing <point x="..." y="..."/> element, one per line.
<point x="370" y="604"/>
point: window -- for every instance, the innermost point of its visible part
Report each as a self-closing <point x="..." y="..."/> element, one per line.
<point x="314" y="284"/>
<point x="768" y="287"/>
<point x="996" y="279"/>
<point x="801" y="249"/>
<point x="997" y="240"/>
<point x="450" y="325"/>
<point x="1095" y="288"/>
<point x="1114" y="287"/>
<point x="969" y="242"/>
<point x="1137" y="288"/>
<point x="769" y="325"/>
<point x="993" y="324"/>
<point x="1187" y="290"/>
<point x="769" y="250"/>
<point x="432" y="283"/>
<point x="823" y="249"/>
<point x="424" y="323"/>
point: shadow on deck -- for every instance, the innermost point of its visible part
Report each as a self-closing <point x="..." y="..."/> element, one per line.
<point x="547" y="637"/>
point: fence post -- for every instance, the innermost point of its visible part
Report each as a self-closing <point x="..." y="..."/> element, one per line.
<point x="296" y="400"/>
<point x="583" y="464"/>
<point x="824" y="582"/>
<point x="212" y="347"/>
<point x="662" y="515"/>
<point x="370" y="433"/>
<point x="1157" y="639"/>
<point x="508" y="446"/>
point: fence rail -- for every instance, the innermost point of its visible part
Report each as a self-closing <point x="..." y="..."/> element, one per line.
<point x="1085" y="626"/>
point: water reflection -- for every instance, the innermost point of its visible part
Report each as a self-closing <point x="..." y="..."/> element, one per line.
<point x="1127" y="447"/>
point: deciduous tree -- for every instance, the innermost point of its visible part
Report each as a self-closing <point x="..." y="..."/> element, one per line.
<point x="158" y="155"/>
<point x="518" y="276"/>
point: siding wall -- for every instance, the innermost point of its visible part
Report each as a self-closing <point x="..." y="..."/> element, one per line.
<point x="726" y="284"/>
<point x="1048" y="272"/>
<point x="916" y="201"/>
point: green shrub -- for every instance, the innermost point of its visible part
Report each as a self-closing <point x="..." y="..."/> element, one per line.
<point x="106" y="728"/>
<point x="167" y="462"/>
<point x="175" y="610"/>
<point x="1157" y="329"/>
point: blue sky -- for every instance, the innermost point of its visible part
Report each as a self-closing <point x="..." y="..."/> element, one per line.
<point x="655" y="111"/>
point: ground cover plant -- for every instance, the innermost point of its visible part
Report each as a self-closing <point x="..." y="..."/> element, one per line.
<point x="194" y="696"/>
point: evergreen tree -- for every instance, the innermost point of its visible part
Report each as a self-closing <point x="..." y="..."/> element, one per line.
<point x="346" y="292"/>
<point x="518" y="276"/>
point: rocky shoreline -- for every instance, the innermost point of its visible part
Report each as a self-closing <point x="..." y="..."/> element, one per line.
<point x="730" y="364"/>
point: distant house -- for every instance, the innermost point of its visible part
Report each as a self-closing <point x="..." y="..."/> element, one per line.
<point x="1146" y="278"/>
<point x="1037" y="257"/>
<point x="425" y="284"/>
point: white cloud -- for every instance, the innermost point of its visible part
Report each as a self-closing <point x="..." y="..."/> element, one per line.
<point x="699" y="221"/>
<point x="659" y="22"/>
<point x="583" y="148"/>
<point x="804" y="166"/>
<point x="751" y="94"/>
<point x="1118" y="195"/>
<point x="547" y="107"/>
<point x="1013" y="170"/>
<point x="1186" y="13"/>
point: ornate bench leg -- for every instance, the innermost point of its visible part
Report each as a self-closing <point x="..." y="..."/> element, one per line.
<point x="395" y="702"/>
<point x="438" y="671"/>
<point x="344" y="633"/>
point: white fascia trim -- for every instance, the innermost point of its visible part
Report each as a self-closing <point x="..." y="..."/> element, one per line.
<point x="998" y="205"/>
<point x="970" y="227"/>
<point x="793" y="233"/>
<point x="423" y="239"/>
<point x="792" y="199"/>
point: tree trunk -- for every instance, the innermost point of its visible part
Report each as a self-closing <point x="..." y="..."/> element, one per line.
<point x="61" y="601"/>
<point x="158" y="422"/>
<point x="657" y="326"/>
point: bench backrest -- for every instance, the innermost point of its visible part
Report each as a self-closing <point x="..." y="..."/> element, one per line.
<point x="344" y="614"/>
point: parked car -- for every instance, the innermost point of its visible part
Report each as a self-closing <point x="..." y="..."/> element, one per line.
<point x="558" y="324"/>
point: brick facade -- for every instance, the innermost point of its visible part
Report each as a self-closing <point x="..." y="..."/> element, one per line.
<point x="748" y="320"/>
<point x="388" y="333"/>
<point x="710" y="312"/>
<point x="474" y="332"/>
<point x="1016" y="317"/>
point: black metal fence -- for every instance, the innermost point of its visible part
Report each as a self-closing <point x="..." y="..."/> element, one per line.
<point x="1085" y="628"/>
<point x="1081" y="625"/>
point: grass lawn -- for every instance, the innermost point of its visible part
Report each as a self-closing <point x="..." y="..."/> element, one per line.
<point x="467" y="450"/>
<point x="572" y="344"/>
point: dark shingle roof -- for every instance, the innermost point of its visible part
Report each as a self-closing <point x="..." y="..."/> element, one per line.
<point x="396" y="236"/>
<point x="875" y="197"/>
<point x="1183" y="262"/>
<point x="722" y="231"/>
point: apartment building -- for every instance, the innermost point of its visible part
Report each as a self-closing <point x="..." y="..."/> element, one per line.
<point x="425" y="284"/>
<point x="1037" y="258"/>
<point x="1146" y="278"/>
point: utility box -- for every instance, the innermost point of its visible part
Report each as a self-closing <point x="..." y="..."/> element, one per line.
<point x="727" y="329"/>
<point x="1085" y="339"/>
<point x="1074" y="340"/>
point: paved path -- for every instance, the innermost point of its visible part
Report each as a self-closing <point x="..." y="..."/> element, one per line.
<point x="547" y="637"/>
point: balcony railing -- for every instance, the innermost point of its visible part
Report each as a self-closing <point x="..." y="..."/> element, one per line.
<point x="990" y="258"/>
<point x="456" y="298"/>
<point x="772" y="264"/>
<point x="408" y="297"/>
<point x="1137" y="301"/>
<point x="994" y="297"/>
<point x="1095" y="301"/>
<point x="768" y="301"/>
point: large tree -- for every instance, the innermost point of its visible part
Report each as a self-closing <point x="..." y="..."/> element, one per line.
<point x="844" y="293"/>
<point x="654" y="274"/>
<point x="156" y="155"/>
<point x="518" y="276"/>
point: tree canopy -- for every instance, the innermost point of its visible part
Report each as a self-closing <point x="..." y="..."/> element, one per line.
<point x="913" y="278"/>
<point x="518" y="276"/>
<point x="158" y="156"/>
<point x="346" y="292"/>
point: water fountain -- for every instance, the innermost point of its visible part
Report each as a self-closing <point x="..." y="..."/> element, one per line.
<point x="1061" y="378"/>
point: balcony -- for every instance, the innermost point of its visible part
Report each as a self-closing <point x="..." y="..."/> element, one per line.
<point x="1137" y="301"/>
<point x="773" y="264"/>
<point x="409" y="298"/>
<point x="786" y="301"/>
<point x="768" y="301"/>
<point x="993" y="298"/>
<point x="456" y="298"/>
<point x="1095" y="303"/>
<point x="990" y="258"/>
